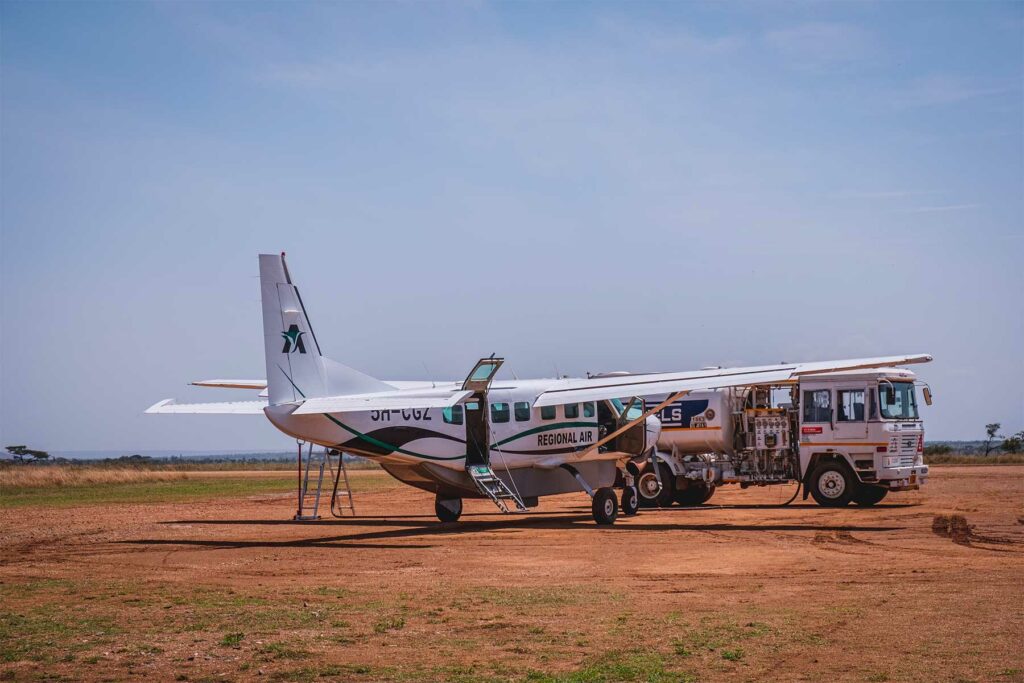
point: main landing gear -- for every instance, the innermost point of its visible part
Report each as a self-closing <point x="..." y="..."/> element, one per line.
<point x="604" y="503"/>
<point x="448" y="509"/>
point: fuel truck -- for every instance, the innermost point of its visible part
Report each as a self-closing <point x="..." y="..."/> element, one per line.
<point x="850" y="436"/>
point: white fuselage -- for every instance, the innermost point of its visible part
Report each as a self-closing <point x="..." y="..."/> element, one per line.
<point x="520" y="435"/>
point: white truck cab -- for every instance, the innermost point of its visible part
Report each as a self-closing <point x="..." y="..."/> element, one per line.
<point x="846" y="436"/>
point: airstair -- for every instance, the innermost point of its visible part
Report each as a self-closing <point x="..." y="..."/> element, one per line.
<point x="311" y="486"/>
<point x="488" y="483"/>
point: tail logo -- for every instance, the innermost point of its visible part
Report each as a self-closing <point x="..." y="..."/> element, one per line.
<point x="293" y="340"/>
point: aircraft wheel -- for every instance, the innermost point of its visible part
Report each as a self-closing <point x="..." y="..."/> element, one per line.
<point x="630" y="501"/>
<point x="867" y="495"/>
<point x="605" y="506"/>
<point x="448" y="509"/>
<point x="832" y="484"/>
<point x="647" y="487"/>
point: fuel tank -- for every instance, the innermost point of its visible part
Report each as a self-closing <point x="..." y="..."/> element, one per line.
<point x="700" y="422"/>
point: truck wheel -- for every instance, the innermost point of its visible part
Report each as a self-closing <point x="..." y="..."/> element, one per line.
<point x="868" y="495"/>
<point x="448" y="509"/>
<point x="692" y="495"/>
<point x="605" y="506"/>
<point x="832" y="485"/>
<point x="647" y="487"/>
<point x="709" y="491"/>
<point x="630" y="502"/>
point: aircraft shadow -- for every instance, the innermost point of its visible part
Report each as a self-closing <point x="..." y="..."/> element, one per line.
<point x="426" y="530"/>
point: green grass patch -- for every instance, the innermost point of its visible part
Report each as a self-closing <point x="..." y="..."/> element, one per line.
<point x="649" y="667"/>
<point x="232" y="639"/>
<point x="171" y="491"/>
<point x="47" y="633"/>
<point x="389" y="624"/>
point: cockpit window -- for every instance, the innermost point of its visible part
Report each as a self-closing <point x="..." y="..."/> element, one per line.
<point x="897" y="401"/>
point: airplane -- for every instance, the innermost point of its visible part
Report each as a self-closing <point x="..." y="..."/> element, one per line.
<point x="510" y="441"/>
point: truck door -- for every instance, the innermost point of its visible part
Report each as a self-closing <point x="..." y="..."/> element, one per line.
<point x="851" y="413"/>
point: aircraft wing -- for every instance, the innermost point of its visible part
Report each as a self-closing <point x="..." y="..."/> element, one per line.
<point x="384" y="400"/>
<point x="227" y="408"/>
<point x="599" y="388"/>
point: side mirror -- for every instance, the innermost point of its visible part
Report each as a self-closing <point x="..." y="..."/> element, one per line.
<point x="927" y="395"/>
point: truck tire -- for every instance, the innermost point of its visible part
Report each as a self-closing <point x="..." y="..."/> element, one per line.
<point x="696" y="493"/>
<point x="868" y="495"/>
<point x="605" y="506"/>
<point x="832" y="484"/>
<point x="647" y="487"/>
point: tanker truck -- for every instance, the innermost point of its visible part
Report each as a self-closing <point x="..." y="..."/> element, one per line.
<point x="850" y="436"/>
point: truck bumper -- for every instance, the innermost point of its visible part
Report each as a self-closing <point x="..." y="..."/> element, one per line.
<point x="903" y="478"/>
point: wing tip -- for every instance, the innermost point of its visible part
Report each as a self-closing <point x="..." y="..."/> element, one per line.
<point x="156" y="407"/>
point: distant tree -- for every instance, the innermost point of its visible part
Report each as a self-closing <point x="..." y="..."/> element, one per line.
<point x="937" y="449"/>
<point x="24" y="453"/>
<point x="992" y="430"/>
<point x="1013" y="444"/>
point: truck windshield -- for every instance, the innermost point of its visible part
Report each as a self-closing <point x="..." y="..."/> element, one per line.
<point x="897" y="401"/>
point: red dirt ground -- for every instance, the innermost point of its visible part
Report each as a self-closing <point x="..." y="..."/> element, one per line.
<point x="737" y="589"/>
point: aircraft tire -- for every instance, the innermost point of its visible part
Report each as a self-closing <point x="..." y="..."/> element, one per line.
<point x="868" y="495"/>
<point x="448" y="509"/>
<point x="630" y="502"/>
<point x="832" y="484"/>
<point x="605" y="506"/>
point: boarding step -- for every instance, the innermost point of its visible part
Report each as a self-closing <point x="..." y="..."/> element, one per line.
<point x="311" y="484"/>
<point x="488" y="483"/>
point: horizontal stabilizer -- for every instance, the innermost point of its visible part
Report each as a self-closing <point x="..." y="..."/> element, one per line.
<point x="232" y="383"/>
<point x="225" y="408"/>
<point x="383" y="400"/>
<point x="621" y="386"/>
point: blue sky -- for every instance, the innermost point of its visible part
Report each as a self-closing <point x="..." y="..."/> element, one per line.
<point x="580" y="186"/>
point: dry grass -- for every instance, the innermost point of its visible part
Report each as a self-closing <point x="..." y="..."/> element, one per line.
<point x="961" y="459"/>
<point x="73" y="475"/>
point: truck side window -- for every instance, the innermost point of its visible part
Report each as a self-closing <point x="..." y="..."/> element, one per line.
<point x="851" y="405"/>
<point x="499" y="412"/>
<point x="817" y="406"/>
<point x="522" y="411"/>
<point x="452" y="415"/>
<point x="872" y="410"/>
<point x="572" y="410"/>
<point x="547" y="413"/>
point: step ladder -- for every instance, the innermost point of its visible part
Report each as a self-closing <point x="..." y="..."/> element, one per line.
<point x="311" y="484"/>
<point x="488" y="483"/>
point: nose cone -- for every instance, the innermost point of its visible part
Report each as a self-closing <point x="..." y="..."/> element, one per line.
<point x="653" y="430"/>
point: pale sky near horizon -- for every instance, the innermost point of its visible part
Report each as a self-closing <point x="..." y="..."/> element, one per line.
<point x="574" y="186"/>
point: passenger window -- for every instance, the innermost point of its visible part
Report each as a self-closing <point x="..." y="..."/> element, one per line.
<point x="572" y="410"/>
<point x="547" y="413"/>
<point x="817" y="406"/>
<point x="522" y="410"/>
<point x="589" y="410"/>
<point x="452" y="415"/>
<point x="850" y="404"/>
<point x="499" y="412"/>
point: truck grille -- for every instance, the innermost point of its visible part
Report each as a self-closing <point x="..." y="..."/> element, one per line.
<point x="905" y="446"/>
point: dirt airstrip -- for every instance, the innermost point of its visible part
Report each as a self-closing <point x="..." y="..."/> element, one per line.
<point x="927" y="586"/>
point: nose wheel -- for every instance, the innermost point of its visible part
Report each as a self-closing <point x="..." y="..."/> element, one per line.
<point x="630" y="502"/>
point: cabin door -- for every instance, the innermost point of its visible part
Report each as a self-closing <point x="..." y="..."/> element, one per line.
<point x="634" y="439"/>
<point x="478" y="428"/>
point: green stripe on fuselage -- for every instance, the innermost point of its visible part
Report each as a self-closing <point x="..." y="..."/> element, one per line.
<point x="396" y="449"/>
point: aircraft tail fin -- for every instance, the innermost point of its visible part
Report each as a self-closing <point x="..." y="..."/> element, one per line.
<point x="296" y="367"/>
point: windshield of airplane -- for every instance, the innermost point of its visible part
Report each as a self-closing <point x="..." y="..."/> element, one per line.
<point x="634" y="412"/>
<point x="897" y="401"/>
